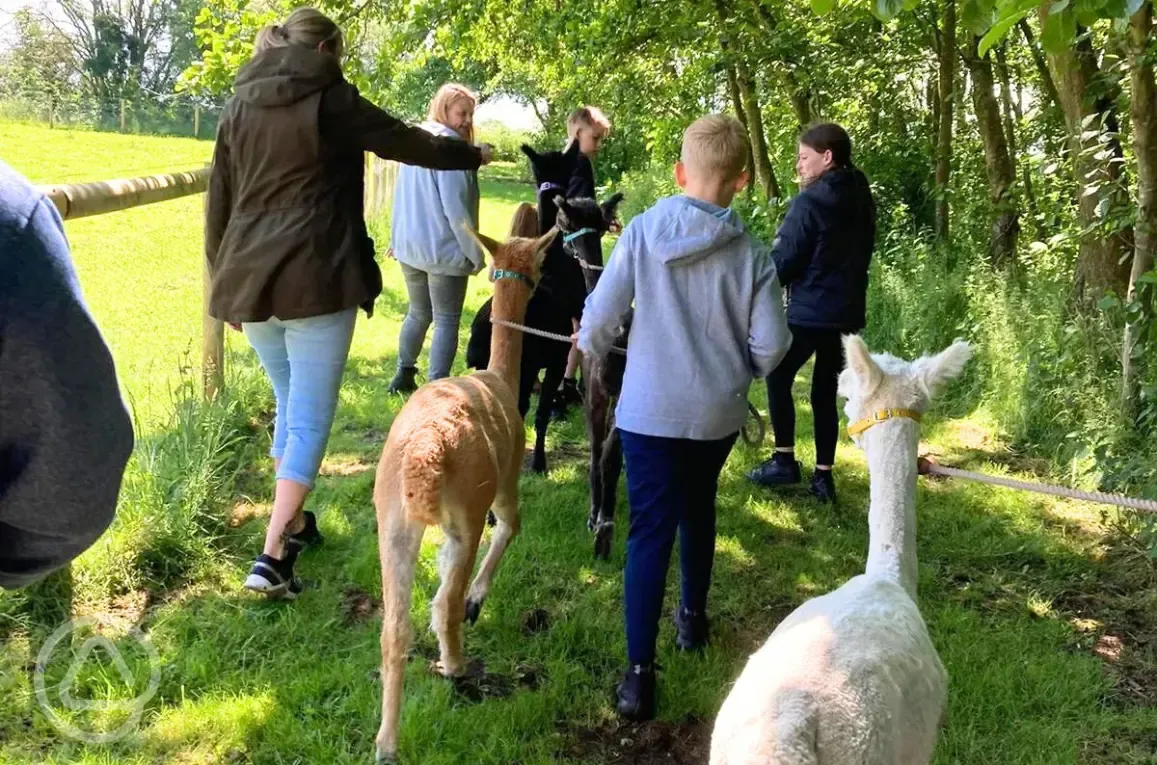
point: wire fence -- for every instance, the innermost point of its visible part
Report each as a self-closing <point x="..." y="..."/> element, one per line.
<point x="172" y="115"/>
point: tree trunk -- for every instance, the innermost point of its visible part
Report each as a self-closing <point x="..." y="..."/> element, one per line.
<point x="1013" y="117"/>
<point x="764" y="175"/>
<point x="1046" y="77"/>
<point x="997" y="161"/>
<point x="944" y="129"/>
<point x="737" y="104"/>
<point x="1102" y="261"/>
<point x="1144" y="112"/>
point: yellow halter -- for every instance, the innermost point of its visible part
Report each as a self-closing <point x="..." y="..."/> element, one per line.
<point x="856" y="428"/>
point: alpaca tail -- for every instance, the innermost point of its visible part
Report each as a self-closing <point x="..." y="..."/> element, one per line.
<point x="423" y="466"/>
<point x="525" y="221"/>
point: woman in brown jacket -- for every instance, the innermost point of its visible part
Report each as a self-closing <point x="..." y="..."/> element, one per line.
<point x="288" y="252"/>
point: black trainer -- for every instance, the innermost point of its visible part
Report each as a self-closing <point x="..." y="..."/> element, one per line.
<point x="690" y="630"/>
<point x="781" y="470"/>
<point x="405" y="380"/>
<point x="823" y="487"/>
<point x="274" y="578"/>
<point x="309" y="536"/>
<point x="636" y="694"/>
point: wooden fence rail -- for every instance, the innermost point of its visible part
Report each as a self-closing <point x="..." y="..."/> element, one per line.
<point x="78" y="200"/>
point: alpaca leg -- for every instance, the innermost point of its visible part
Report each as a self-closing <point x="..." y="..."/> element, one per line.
<point x="550" y="382"/>
<point x="455" y="562"/>
<point x="506" y="510"/>
<point x="611" y="468"/>
<point x="596" y="435"/>
<point x="399" y="541"/>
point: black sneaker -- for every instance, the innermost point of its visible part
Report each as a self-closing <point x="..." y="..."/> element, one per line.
<point x="405" y="380"/>
<point x="274" y="578"/>
<point x="309" y="536"/>
<point x="823" y="487"/>
<point x="636" y="694"/>
<point x="781" y="470"/>
<point x="691" y="630"/>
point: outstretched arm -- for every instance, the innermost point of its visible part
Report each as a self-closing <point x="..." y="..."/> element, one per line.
<point x="346" y="117"/>
<point x="768" y="336"/>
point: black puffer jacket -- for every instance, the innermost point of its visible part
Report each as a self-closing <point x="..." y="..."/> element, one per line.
<point x="822" y="251"/>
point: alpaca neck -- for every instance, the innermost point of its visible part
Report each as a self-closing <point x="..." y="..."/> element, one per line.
<point x="891" y="448"/>
<point x="506" y="343"/>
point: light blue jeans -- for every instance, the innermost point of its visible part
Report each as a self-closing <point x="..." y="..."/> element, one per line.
<point x="305" y="359"/>
<point x="437" y="298"/>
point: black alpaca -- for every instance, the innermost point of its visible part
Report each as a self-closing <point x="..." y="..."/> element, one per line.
<point x="582" y="223"/>
<point x="557" y="300"/>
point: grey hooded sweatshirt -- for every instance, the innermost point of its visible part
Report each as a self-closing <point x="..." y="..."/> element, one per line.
<point x="708" y="319"/>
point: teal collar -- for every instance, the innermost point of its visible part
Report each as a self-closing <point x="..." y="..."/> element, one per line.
<point x="504" y="273"/>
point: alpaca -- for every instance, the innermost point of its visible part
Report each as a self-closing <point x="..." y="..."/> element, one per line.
<point x="853" y="676"/>
<point x="453" y="452"/>
<point x="583" y="223"/>
<point x="558" y="298"/>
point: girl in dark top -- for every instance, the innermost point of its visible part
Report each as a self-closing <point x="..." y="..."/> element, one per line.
<point x="822" y="252"/>
<point x="287" y="247"/>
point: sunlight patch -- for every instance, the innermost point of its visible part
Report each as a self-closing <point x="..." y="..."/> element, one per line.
<point x="210" y="725"/>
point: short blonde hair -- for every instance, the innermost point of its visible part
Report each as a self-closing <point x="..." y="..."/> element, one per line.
<point x="587" y="116"/>
<point x="715" y="145"/>
<point x="307" y="27"/>
<point x="447" y="95"/>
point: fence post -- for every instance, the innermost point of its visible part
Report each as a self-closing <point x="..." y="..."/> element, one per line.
<point x="196" y="121"/>
<point x="212" y="343"/>
<point x="122" y="115"/>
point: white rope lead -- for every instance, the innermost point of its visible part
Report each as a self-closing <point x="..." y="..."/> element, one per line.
<point x="1142" y="505"/>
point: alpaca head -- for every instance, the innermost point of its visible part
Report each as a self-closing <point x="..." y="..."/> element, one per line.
<point x="519" y="258"/>
<point x="874" y="382"/>
<point x="583" y="221"/>
<point x="553" y="167"/>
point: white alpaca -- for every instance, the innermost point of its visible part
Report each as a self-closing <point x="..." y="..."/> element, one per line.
<point x="852" y="676"/>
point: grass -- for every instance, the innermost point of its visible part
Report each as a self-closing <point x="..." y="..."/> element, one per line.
<point x="1046" y="622"/>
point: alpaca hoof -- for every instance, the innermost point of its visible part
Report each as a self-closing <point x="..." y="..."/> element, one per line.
<point x="539" y="465"/>
<point x="473" y="610"/>
<point x="592" y="522"/>
<point x="604" y="539"/>
<point x="382" y="757"/>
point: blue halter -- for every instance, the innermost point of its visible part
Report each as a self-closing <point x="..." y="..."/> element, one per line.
<point x="576" y="234"/>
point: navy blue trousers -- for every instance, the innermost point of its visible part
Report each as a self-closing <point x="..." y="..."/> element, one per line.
<point x="671" y="486"/>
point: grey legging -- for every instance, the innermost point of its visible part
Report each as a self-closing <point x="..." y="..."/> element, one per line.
<point x="437" y="298"/>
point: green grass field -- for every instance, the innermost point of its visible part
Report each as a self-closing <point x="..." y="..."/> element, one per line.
<point x="1046" y="621"/>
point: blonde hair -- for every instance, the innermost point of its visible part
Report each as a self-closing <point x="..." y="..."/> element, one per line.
<point x="586" y="116"/>
<point x="446" y="97"/>
<point x="715" y="145"/>
<point x="307" y="27"/>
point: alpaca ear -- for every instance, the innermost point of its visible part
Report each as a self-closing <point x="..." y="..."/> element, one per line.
<point x="531" y="154"/>
<point x="572" y="149"/>
<point x="868" y="374"/>
<point x="934" y="372"/>
<point x="608" y="207"/>
<point x="486" y="243"/>
<point x="543" y="242"/>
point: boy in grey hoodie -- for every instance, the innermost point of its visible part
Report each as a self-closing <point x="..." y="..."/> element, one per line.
<point x="708" y="320"/>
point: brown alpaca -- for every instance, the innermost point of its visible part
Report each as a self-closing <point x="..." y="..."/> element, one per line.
<point x="453" y="453"/>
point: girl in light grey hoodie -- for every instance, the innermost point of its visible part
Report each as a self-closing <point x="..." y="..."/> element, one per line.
<point x="426" y="236"/>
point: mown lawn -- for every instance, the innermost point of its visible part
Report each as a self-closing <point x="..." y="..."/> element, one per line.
<point x="1047" y="624"/>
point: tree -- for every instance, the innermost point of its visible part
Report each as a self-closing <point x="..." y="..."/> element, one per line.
<point x="40" y="63"/>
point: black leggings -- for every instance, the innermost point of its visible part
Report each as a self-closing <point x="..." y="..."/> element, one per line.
<point x="828" y="348"/>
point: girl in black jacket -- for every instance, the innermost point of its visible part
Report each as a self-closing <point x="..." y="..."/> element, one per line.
<point x="822" y="252"/>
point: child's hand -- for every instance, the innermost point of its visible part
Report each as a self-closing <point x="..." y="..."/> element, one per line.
<point x="487" y="153"/>
<point x="616" y="227"/>
<point x="236" y="326"/>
